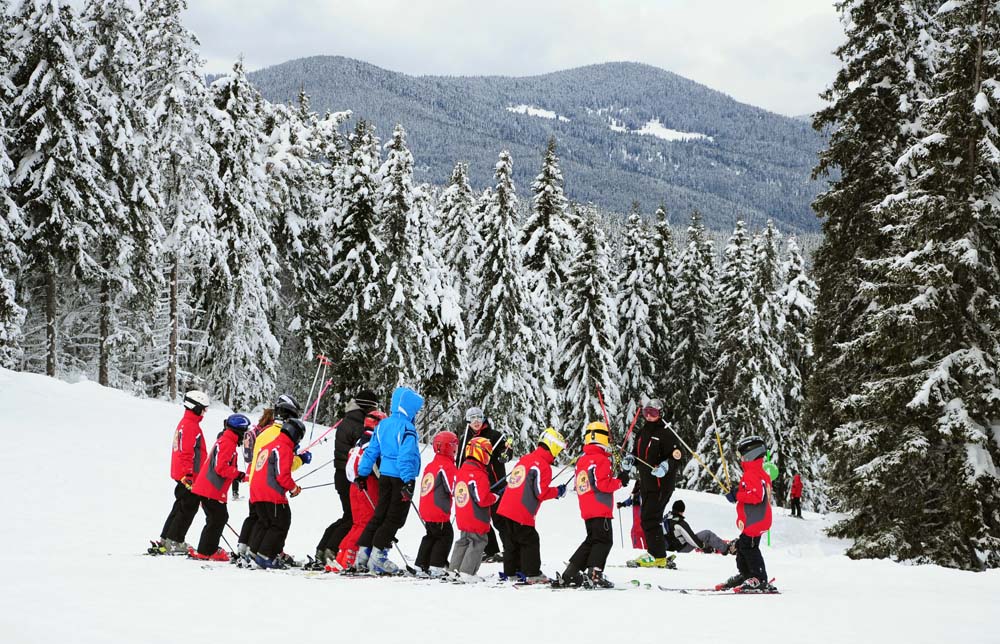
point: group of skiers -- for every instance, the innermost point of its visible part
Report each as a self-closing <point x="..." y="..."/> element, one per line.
<point x="377" y="466"/>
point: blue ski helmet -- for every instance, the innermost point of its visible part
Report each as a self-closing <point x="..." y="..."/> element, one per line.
<point x="238" y="423"/>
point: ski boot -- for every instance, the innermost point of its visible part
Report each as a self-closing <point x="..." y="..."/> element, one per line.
<point x="754" y="586"/>
<point x="361" y="561"/>
<point x="380" y="564"/>
<point x="496" y="557"/>
<point x="270" y="564"/>
<point x="732" y="582"/>
<point x="537" y="579"/>
<point x="595" y="579"/>
<point x="288" y="560"/>
<point x="571" y="578"/>
<point x="466" y="578"/>
<point x="649" y="561"/>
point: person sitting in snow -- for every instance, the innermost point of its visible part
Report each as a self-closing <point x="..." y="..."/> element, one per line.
<point x="753" y="518"/>
<point x="681" y="538"/>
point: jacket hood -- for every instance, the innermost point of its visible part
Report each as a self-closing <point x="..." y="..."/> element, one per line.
<point x="593" y="449"/>
<point x="352" y="405"/>
<point x="407" y="402"/>
<point x="756" y="465"/>
<point x="545" y="455"/>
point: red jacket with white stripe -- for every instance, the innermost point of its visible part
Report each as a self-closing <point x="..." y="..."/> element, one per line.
<point x="273" y="471"/>
<point x="527" y="486"/>
<point x="595" y="484"/>
<point x="220" y="469"/>
<point x="436" y="489"/>
<point x="473" y="498"/>
<point x="189" y="447"/>
<point x="753" y="499"/>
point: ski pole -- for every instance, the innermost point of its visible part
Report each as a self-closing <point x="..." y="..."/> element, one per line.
<point x="318" y="398"/>
<point x="319" y="467"/>
<point x="715" y="426"/>
<point x="312" y="387"/>
<point x="234" y="531"/>
<point x="604" y="411"/>
<point x="628" y="434"/>
<point x="409" y="568"/>
<point x="322" y="436"/>
<point x="700" y="462"/>
<point x="621" y="531"/>
<point x="309" y="487"/>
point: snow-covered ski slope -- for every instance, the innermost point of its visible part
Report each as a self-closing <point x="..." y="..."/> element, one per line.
<point x="86" y="478"/>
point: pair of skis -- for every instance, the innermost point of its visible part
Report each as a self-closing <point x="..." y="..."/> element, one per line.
<point x="739" y="590"/>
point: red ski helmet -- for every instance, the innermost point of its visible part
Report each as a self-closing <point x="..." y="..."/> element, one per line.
<point x="446" y="443"/>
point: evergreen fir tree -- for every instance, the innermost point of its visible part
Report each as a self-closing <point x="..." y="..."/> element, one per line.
<point x="587" y="341"/>
<point x="460" y="241"/>
<point x="240" y="358"/>
<point x="57" y="182"/>
<point x="636" y="349"/>
<point x="503" y="341"/>
<point x="355" y="299"/>
<point x="693" y="355"/>
<point x="11" y="224"/>
<point x="545" y="235"/>
<point x="662" y="271"/>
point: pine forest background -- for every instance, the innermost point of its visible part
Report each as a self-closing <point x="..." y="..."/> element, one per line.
<point x="161" y="233"/>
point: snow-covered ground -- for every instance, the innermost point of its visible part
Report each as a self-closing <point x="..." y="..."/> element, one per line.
<point x="531" y="110"/>
<point x="86" y="473"/>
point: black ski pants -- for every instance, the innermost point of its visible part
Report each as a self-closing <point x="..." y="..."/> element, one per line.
<point x="521" y="550"/>
<point x="216" y="516"/>
<point x="797" y="507"/>
<point x="273" y="522"/>
<point x="594" y="551"/>
<point x="337" y="530"/>
<point x="390" y="515"/>
<point x="249" y="527"/>
<point x="492" y="545"/>
<point x="749" y="560"/>
<point x="435" y="545"/>
<point x="654" y="503"/>
<point x="181" y="514"/>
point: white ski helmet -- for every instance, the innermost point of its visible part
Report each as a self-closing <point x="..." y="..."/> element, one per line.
<point x="197" y="401"/>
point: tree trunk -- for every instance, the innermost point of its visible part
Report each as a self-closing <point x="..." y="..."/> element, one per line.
<point x="172" y="345"/>
<point x="104" y="331"/>
<point x="50" y="318"/>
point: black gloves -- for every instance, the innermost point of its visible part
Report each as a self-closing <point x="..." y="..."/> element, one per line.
<point x="406" y="493"/>
<point x="361" y="482"/>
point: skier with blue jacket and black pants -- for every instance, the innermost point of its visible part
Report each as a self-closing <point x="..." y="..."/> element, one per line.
<point x="395" y="442"/>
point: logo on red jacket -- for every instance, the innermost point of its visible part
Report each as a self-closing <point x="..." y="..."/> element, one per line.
<point x="426" y="484"/>
<point x="582" y="483"/>
<point x="261" y="459"/>
<point x="516" y="478"/>
<point x="461" y="494"/>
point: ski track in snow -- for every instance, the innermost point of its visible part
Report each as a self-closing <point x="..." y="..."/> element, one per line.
<point x="88" y="486"/>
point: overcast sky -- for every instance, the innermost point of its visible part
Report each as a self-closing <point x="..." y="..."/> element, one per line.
<point x="772" y="53"/>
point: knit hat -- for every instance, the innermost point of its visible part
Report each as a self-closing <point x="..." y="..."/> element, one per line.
<point x="678" y="507"/>
<point x="366" y="400"/>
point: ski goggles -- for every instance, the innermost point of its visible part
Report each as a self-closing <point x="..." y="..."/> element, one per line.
<point x="650" y="413"/>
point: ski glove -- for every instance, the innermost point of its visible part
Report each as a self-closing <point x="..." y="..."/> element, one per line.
<point x="362" y="483"/>
<point x="187" y="480"/>
<point x="660" y="470"/>
<point x="626" y="503"/>
<point x="628" y="461"/>
<point x="562" y="491"/>
<point x="406" y="493"/>
<point x="306" y="457"/>
<point x="731" y="495"/>
<point x="624" y="477"/>
<point x="240" y="477"/>
<point x="295" y="491"/>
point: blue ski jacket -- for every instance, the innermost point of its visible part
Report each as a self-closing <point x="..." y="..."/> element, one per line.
<point x="395" y="439"/>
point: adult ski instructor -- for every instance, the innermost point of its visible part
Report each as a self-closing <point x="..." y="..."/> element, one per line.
<point x="478" y="426"/>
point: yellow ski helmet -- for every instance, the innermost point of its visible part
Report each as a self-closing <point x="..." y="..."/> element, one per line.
<point x="480" y="449"/>
<point x="597" y="434"/>
<point x="553" y="440"/>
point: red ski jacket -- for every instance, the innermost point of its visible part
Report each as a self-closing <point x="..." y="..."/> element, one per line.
<point x="753" y="499"/>
<point x="595" y="484"/>
<point x="273" y="471"/>
<point x="219" y="469"/>
<point x="189" y="447"/>
<point x="473" y="498"/>
<point x="527" y="487"/>
<point x="436" y="488"/>
<point x="797" y="487"/>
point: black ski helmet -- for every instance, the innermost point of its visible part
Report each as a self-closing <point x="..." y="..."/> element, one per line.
<point x="751" y="448"/>
<point x="295" y="429"/>
<point x="286" y="407"/>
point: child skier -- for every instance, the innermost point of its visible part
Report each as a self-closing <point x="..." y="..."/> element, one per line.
<point x="271" y="482"/>
<point x="395" y="442"/>
<point x="595" y="489"/>
<point x="362" y="500"/>
<point x="186" y="458"/>
<point x="527" y="487"/>
<point x="753" y="518"/>
<point x="436" y="489"/>
<point x="473" y="500"/>
<point x="681" y="538"/>
<point x="220" y="471"/>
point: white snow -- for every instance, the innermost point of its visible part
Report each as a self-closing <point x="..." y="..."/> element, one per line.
<point x="87" y="471"/>
<point x="657" y="129"/>
<point x="531" y="110"/>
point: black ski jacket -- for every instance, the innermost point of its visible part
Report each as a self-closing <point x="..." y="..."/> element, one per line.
<point x="350" y="429"/>
<point x="496" y="469"/>
<point x="655" y="444"/>
<point x="680" y="534"/>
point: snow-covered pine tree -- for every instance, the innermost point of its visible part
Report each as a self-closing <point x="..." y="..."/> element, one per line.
<point x="635" y="352"/>
<point x="797" y="297"/>
<point x="187" y="166"/>
<point x="692" y="358"/>
<point x="238" y="290"/>
<point x="662" y="271"/>
<point x="916" y="457"/>
<point x="401" y="341"/>
<point x="872" y="116"/>
<point x="355" y="300"/>
<point x="130" y="233"/>
<point x="11" y="224"/>
<point x="725" y="419"/>
<point x="587" y="340"/>
<point x="459" y="235"/>
<point x="57" y="182"/>
<point x="503" y="344"/>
